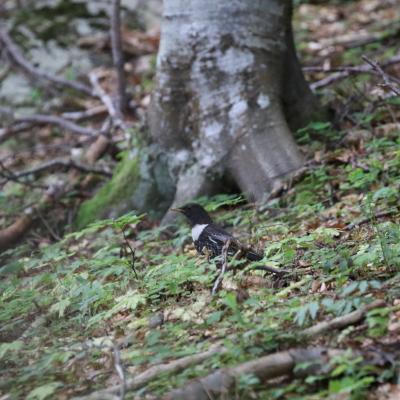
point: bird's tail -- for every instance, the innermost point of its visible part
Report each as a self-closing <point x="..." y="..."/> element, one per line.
<point x="251" y="255"/>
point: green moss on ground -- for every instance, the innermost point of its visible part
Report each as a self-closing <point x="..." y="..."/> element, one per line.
<point x="118" y="190"/>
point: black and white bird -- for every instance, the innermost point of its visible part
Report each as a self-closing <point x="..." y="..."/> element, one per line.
<point x="211" y="238"/>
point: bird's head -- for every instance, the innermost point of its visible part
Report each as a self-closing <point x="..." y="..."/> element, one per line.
<point x="194" y="213"/>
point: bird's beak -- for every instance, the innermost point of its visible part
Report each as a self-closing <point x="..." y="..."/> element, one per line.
<point x="177" y="210"/>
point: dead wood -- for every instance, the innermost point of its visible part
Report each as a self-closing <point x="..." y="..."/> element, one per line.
<point x="387" y="79"/>
<point x="85" y="114"/>
<point x="107" y="101"/>
<point x="341" y="322"/>
<point x="13" y="233"/>
<point x="341" y="73"/>
<point x="62" y="164"/>
<point x="20" y="60"/>
<point x="43" y="119"/>
<point x="266" y="367"/>
<point x="8" y="131"/>
<point x="222" y="381"/>
<point x="380" y="214"/>
<point x="96" y="149"/>
<point x="150" y="374"/>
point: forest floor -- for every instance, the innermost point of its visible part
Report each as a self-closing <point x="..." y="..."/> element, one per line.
<point x="121" y="309"/>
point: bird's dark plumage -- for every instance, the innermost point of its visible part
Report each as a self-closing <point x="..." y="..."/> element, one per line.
<point x="210" y="236"/>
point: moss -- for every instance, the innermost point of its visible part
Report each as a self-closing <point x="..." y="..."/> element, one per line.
<point x="117" y="191"/>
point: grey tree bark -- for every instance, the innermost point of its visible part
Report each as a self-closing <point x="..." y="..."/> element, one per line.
<point x="229" y="88"/>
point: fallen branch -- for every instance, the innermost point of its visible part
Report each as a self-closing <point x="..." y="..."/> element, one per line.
<point x="365" y="220"/>
<point x="13" y="233"/>
<point x="43" y="119"/>
<point x="341" y="73"/>
<point x="219" y="383"/>
<point x="19" y="59"/>
<point x="157" y="370"/>
<point x="265" y="367"/>
<point x="341" y="322"/>
<point x="267" y="268"/>
<point x="107" y="101"/>
<point x="120" y="371"/>
<point x="9" y="175"/>
<point x="60" y="163"/>
<point x="8" y="131"/>
<point x="387" y="79"/>
<point x="86" y="114"/>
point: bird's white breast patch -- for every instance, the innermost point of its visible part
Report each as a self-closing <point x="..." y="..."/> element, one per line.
<point x="197" y="230"/>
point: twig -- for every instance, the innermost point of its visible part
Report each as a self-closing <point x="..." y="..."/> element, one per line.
<point x="387" y="79"/>
<point x="219" y="383"/>
<point x="60" y="163"/>
<point x="270" y="364"/>
<point x="107" y="101"/>
<point x="9" y="175"/>
<point x="17" y="56"/>
<point x="86" y="114"/>
<point x="276" y="271"/>
<point x="341" y="322"/>
<point x="118" y="58"/>
<point x="344" y="72"/>
<point x="363" y="221"/>
<point x="49" y="119"/>
<point x="120" y="371"/>
<point x="14" y="232"/>
<point x="6" y="132"/>
<point x="153" y="372"/>
<point x="220" y="277"/>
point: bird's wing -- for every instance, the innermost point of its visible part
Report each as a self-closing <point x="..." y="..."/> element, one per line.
<point x="221" y="235"/>
<point x="218" y="233"/>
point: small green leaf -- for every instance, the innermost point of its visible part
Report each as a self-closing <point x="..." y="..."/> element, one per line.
<point x="44" y="391"/>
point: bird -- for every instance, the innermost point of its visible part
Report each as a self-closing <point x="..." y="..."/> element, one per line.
<point x="209" y="237"/>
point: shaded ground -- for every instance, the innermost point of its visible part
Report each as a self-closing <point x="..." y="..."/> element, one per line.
<point x="74" y="314"/>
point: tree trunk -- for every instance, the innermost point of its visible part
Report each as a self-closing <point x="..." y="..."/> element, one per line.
<point x="228" y="87"/>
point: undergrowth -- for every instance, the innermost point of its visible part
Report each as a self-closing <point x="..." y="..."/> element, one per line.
<point x="65" y="304"/>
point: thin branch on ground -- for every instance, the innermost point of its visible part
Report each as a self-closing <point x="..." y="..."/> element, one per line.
<point x="220" y="382"/>
<point x="267" y="268"/>
<point x="224" y="267"/>
<point x="86" y="114"/>
<point x="341" y="322"/>
<point x="8" y="131"/>
<point x="155" y="371"/>
<point x="107" y="101"/>
<point x="61" y="163"/>
<point x="387" y="79"/>
<point x="341" y="73"/>
<point x="43" y="119"/>
<point x="19" y="59"/>
<point x="14" y="232"/>
<point x="118" y="59"/>
<point x="266" y="361"/>
<point x="380" y="214"/>
<point x="9" y="175"/>
<point x="120" y="371"/>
